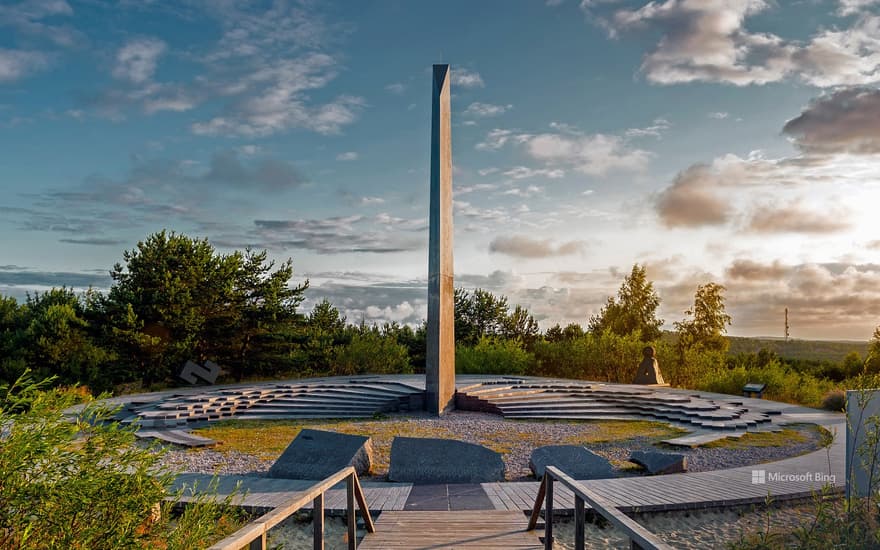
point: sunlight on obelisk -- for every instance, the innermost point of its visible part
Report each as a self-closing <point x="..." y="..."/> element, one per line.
<point x="440" y="356"/>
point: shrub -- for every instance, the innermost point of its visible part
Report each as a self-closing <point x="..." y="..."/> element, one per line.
<point x="783" y="384"/>
<point x="561" y="358"/>
<point x="686" y="368"/>
<point x="84" y="484"/>
<point x="493" y="356"/>
<point x="604" y="356"/>
<point x="370" y="352"/>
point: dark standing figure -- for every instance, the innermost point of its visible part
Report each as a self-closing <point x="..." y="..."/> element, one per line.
<point x="649" y="369"/>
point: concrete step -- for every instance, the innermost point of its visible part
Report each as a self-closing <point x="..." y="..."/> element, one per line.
<point x="179" y="437"/>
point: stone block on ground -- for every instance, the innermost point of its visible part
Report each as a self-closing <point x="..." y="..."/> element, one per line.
<point x="429" y="460"/>
<point x="660" y="463"/>
<point x="576" y="461"/>
<point x="316" y="454"/>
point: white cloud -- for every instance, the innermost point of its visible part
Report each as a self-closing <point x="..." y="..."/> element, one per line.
<point x="136" y="61"/>
<point x="656" y="129"/>
<point x="401" y="312"/>
<point x="846" y="121"/>
<point x="467" y="79"/>
<point x="478" y="109"/>
<point x="347" y="156"/>
<point x="487" y="171"/>
<point x="256" y="69"/>
<point x="16" y="64"/>
<point x="797" y="218"/>
<point x="41" y="20"/>
<point x="526" y="192"/>
<point x="277" y="101"/>
<point x="842" y="57"/>
<point x="594" y="155"/>
<point x="342" y="234"/>
<point x="396" y="88"/>
<point x="495" y="139"/>
<point x="564" y="128"/>
<point x="707" y="40"/>
<point x="177" y="101"/>
<point x="850" y="7"/>
<point x="277" y="31"/>
<point x="718" y="115"/>
<point x="476" y="214"/>
<point x="724" y="192"/>
<point x="465" y="189"/>
<point x="692" y="200"/>
<point x="521" y="172"/>
<point x="521" y="246"/>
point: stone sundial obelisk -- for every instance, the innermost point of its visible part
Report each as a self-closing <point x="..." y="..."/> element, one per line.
<point x="440" y="353"/>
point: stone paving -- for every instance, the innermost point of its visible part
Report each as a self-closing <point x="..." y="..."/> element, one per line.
<point x="168" y="415"/>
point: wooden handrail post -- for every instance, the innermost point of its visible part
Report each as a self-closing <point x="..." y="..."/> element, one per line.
<point x="318" y="522"/>
<point x="548" y="512"/>
<point x="579" y="520"/>
<point x="539" y="501"/>
<point x="258" y="543"/>
<point x="352" y="521"/>
<point x="640" y="538"/>
<point x="362" y="504"/>
<point x="253" y="535"/>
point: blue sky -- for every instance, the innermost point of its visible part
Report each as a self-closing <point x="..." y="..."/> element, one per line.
<point x="728" y="141"/>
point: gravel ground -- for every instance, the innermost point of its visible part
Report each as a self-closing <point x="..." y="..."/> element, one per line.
<point x="518" y="438"/>
<point x="705" y="459"/>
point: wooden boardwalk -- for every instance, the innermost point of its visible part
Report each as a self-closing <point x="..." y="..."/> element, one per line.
<point x="262" y="494"/>
<point x="490" y="529"/>
<point x="788" y="479"/>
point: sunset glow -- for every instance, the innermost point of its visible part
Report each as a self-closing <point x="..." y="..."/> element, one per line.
<point x="730" y="141"/>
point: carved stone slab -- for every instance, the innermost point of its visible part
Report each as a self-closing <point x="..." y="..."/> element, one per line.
<point x="576" y="461"/>
<point x="316" y="454"/>
<point x="429" y="460"/>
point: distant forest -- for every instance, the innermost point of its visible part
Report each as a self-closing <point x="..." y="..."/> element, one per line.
<point x="174" y="299"/>
<point x="817" y="350"/>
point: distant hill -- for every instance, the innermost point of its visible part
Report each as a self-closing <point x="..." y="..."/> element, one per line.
<point x="799" y="349"/>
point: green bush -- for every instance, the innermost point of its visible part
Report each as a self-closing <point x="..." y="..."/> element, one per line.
<point x="493" y="356"/>
<point x="783" y="384"/>
<point x="562" y="359"/>
<point x="84" y="484"/>
<point x="370" y="352"/>
<point x="604" y="356"/>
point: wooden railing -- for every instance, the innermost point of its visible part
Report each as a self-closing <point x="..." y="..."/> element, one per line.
<point x="253" y="535"/>
<point x="640" y="538"/>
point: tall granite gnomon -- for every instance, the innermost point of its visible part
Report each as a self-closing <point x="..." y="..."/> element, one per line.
<point x="440" y="353"/>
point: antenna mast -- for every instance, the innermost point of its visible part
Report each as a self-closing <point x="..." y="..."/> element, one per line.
<point x="786" y="325"/>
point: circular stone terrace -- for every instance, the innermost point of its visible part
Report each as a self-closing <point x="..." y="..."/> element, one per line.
<point x="169" y="415"/>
